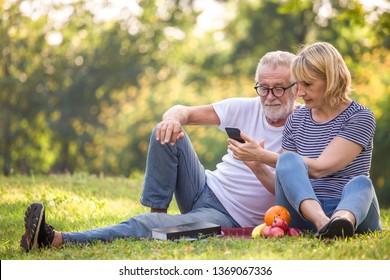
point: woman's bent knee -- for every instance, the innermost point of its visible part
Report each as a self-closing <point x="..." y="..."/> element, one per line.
<point x="287" y="161"/>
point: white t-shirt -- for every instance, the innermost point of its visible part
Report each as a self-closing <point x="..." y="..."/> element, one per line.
<point x="235" y="185"/>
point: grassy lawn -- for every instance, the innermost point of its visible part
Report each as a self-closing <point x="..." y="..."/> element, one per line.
<point x="83" y="201"/>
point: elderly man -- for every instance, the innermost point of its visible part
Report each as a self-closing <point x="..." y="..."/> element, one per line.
<point x="230" y="196"/>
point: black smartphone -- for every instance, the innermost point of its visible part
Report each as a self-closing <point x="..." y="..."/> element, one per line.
<point x="234" y="133"/>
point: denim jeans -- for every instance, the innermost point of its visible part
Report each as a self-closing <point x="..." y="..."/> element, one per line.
<point x="170" y="170"/>
<point x="292" y="186"/>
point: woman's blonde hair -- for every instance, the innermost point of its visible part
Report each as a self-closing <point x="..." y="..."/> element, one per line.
<point x="322" y="61"/>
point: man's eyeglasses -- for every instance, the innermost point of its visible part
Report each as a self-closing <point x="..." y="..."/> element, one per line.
<point x="276" y="91"/>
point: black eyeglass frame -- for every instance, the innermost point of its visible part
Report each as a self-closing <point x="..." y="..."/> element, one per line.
<point x="272" y="90"/>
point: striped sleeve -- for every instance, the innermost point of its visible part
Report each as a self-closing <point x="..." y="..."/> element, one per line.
<point x="360" y="128"/>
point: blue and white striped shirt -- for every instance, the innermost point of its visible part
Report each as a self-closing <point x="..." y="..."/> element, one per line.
<point x="308" y="138"/>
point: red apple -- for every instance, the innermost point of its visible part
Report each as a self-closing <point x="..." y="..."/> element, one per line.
<point x="294" y="232"/>
<point x="266" y="231"/>
<point x="280" y="223"/>
<point x="277" y="232"/>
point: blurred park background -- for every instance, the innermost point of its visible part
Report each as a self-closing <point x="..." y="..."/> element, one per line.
<point x="83" y="82"/>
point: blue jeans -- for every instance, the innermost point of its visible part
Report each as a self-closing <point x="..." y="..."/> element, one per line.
<point x="292" y="186"/>
<point x="169" y="170"/>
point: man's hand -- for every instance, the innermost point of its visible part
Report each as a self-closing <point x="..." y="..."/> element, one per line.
<point x="169" y="131"/>
<point x="248" y="151"/>
<point x="252" y="151"/>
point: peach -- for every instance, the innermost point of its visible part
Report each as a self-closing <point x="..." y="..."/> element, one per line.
<point x="266" y="231"/>
<point x="277" y="232"/>
<point x="279" y="222"/>
<point x="294" y="232"/>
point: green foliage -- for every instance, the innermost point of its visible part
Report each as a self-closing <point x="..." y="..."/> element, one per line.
<point x="23" y="133"/>
<point x="261" y="26"/>
<point x="82" y="202"/>
<point x="88" y="101"/>
<point x="373" y="90"/>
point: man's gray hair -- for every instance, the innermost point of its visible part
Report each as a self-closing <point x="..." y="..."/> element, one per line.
<point x="275" y="58"/>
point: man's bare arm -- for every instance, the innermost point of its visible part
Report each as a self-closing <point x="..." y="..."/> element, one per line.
<point x="170" y="129"/>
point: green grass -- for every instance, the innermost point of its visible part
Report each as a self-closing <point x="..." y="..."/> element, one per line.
<point x="83" y="201"/>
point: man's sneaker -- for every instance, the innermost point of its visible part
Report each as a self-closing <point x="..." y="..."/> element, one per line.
<point x="38" y="234"/>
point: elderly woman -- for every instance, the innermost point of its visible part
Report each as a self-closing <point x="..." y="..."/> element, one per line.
<point x="322" y="176"/>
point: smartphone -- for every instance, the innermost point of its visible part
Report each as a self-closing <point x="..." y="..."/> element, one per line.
<point x="234" y="133"/>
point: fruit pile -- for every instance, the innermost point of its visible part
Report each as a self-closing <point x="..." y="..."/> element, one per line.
<point x="276" y="223"/>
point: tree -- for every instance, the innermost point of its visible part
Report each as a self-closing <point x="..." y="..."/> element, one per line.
<point x="25" y="137"/>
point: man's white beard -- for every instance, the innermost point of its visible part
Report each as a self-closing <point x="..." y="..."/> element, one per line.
<point x="279" y="113"/>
